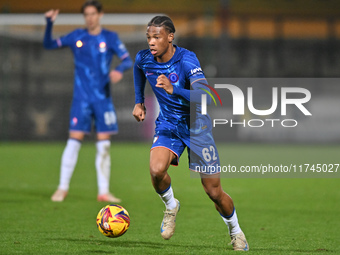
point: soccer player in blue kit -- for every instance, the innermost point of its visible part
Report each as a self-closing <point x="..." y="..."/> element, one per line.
<point x="93" y="49"/>
<point x="176" y="77"/>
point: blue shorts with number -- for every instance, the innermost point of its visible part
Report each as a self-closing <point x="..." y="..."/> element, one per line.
<point x="202" y="151"/>
<point x="101" y="113"/>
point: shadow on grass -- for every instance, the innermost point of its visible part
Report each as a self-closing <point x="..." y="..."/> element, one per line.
<point x="30" y="194"/>
<point x="136" y="244"/>
<point x="202" y="248"/>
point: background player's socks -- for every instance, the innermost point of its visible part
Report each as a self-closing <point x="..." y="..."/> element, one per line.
<point x="68" y="163"/>
<point x="168" y="198"/>
<point x="103" y="166"/>
<point x="232" y="222"/>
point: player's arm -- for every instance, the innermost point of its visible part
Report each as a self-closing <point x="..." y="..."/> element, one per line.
<point x="50" y="16"/>
<point x="193" y="95"/>
<point x="126" y="62"/>
<point x="139" y="80"/>
<point x="117" y="74"/>
<point x="164" y="83"/>
<point x="196" y="78"/>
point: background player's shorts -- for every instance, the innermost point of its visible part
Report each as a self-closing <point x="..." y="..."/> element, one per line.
<point x="101" y="112"/>
<point x="202" y="151"/>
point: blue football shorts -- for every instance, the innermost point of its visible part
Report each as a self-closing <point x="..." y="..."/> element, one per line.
<point x="101" y="113"/>
<point x="202" y="152"/>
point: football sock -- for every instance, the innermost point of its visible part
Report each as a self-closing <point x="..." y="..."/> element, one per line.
<point x="168" y="198"/>
<point x="68" y="163"/>
<point x="103" y="166"/>
<point x="232" y="222"/>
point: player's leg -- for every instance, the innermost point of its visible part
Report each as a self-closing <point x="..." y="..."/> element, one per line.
<point x="223" y="202"/>
<point x="103" y="168"/>
<point x="68" y="163"/>
<point x="160" y="160"/>
<point x="203" y="155"/>
<point x="106" y="125"/>
<point x="225" y="206"/>
<point x="165" y="151"/>
<point x="80" y="123"/>
<point x="212" y="186"/>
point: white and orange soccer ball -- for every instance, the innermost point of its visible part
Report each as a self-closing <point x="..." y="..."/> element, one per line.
<point x="113" y="220"/>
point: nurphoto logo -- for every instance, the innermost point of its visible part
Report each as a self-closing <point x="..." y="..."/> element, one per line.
<point x="295" y="96"/>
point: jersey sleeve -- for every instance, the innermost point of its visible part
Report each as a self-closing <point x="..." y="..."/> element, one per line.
<point x="50" y="43"/>
<point x="139" y="80"/>
<point x="118" y="47"/>
<point x="120" y="50"/>
<point x="192" y="67"/>
<point x="193" y="74"/>
<point x="67" y="40"/>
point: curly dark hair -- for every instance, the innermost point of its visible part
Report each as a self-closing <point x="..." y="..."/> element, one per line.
<point x="163" y="21"/>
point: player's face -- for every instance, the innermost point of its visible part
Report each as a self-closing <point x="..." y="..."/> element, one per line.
<point x="159" y="41"/>
<point x="92" y="17"/>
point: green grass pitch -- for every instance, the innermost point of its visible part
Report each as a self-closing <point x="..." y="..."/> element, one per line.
<point x="278" y="215"/>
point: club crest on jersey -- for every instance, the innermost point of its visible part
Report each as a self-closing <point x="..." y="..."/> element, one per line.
<point x="173" y="77"/>
<point x="102" y="47"/>
<point x="74" y="121"/>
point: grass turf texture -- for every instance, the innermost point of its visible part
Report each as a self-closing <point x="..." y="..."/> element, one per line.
<point x="279" y="216"/>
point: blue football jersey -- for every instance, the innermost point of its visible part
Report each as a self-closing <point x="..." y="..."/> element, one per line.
<point x="92" y="58"/>
<point x="182" y="70"/>
<point x="180" y="122"/>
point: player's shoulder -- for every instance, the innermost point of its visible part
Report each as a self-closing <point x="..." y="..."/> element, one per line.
<point x="73" y="36"/>
<point x="143" y="55"/>
<point x="185" y="53"/>
<point x="187" y="58"/>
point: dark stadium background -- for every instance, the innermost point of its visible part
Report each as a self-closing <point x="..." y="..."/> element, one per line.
<point x="240" y="38"/>
<point x="262" y="40"/>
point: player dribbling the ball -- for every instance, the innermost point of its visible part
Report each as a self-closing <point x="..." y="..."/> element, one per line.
<point x="175" y="76"/>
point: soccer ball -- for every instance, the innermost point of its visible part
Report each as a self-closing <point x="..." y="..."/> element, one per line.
<point x="113" y="220"/>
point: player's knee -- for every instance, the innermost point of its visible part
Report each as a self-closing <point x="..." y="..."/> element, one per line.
<point x="214" y="193"/>
<point x="157" y="170"/>
<point x="103" y="147"/>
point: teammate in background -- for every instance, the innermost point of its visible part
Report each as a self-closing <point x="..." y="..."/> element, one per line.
<point x="93" y="49"/>
<point x="176" y="77"/>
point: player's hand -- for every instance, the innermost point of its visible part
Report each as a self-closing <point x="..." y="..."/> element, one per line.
<point x="52" y="14"/>
<point x="139" y="112"/>
<point x="164" y="83"/>
<point x="115" y="76"/>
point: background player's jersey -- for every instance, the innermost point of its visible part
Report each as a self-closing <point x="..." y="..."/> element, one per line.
<point x="180" y="69"/>
<point x="92" y="58"/>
